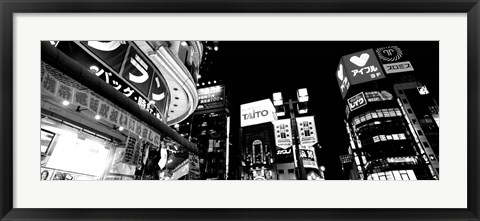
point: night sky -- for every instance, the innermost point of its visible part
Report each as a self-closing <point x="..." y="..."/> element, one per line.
<point x="253" y="70"/>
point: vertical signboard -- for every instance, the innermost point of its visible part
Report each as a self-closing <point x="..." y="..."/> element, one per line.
<point x="283" y="133"/>
<point x="194" y="168"/>
<point x="307" y="154"/>
<point x="283" y="141"/>
<point x="342" y="79"/>
<point x="307" y="130"/>
<point x="362" y="67"/>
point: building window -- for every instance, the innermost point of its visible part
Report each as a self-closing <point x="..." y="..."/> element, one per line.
<point x="280" y="171"/>
<point x="405" y="101"/>
<point x="414" y="121"/>
<point x="425" y="144"/>
<point x="400" y="91"/>
<point x="290" y="170"/>
<point x="420" y="132"/>
<point x="409" y="110"/>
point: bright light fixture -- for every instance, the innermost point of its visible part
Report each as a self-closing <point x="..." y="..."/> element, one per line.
<point x="97" y="117"/>
<point x="302" y="107"/>
<point x="66" y="103"/>
<point x="277" y="99"/>
<point x="302" y="95"/>
<point x="214" y="82"/>
<point x="94" y="69"/>
<point x="199" y="76"/>
<point x="209" y="82"/>
<point x="184" y="43"/>
<point x="215" y="48"/>
<point x="120" y="128"/>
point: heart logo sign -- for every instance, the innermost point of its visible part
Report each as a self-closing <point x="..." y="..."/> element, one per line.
<point x="360" y="61"/>
<point x="340" y="72"/>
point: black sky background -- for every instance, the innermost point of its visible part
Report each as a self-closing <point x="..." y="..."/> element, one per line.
<point x="253" y="70"/>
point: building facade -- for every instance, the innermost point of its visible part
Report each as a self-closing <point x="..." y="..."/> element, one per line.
<point x="387" y="139"/>
<point x="106" y="106"/>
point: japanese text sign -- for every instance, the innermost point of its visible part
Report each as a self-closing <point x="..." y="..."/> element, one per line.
<point x="362" y="67"/>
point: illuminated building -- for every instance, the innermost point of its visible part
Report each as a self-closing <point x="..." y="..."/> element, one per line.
<point x="209" y="127"/>
<point x="106" y="106"/>
<point x="277" y="149"/>
<point x="383" y="113"/>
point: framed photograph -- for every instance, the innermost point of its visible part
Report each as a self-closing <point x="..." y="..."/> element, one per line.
<point x="239" y="110"/>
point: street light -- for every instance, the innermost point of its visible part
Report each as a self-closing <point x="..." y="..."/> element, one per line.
<point x="302" y="96"/>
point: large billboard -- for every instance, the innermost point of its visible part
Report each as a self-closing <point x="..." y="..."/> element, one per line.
<point x="211" y="97"/>
<point x="257" y="112"/>
<point x="393" y="59"/>
<point x="358" y="68"/>
<point x="124" y="68"/>
<point x="362" y="67"/>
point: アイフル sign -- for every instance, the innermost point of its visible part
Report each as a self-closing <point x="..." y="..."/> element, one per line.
<point x="362" y="67"/>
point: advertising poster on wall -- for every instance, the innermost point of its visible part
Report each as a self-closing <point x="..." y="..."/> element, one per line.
<point x="307" y="130"/>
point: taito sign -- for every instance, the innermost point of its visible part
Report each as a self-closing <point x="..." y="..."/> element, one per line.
<point x="257" y="112"/>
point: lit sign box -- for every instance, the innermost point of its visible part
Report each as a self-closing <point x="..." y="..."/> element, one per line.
<point x="342" y="79"/>
<point x="393" y="59"/>
<point x="373" y="96"/>
<point x="283" y="133"/>
<point x="362" y="67"/>
<point x="211" y="97"/>
<point x="357" y="101"/>
<point x="358" y="68"/>
<point x="257" y="112"/>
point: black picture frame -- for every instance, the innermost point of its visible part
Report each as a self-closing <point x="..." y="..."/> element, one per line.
<point x="10" y="7"/>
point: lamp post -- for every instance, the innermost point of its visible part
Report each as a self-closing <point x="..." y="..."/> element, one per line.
<point x="302" y="96"/>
